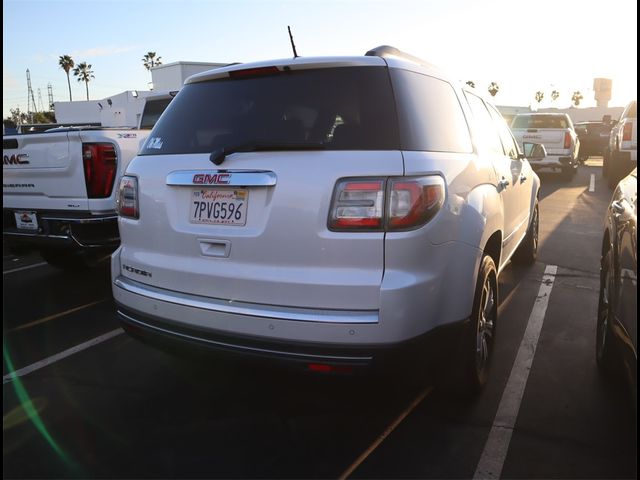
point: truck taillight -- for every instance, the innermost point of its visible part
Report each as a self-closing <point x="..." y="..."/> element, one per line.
<point x="626" y="132"/>
<point x="127" y="200"/>
<point x="100" y="165"/>
<point x="385" y="204"/>
<point x="567" y="140"/>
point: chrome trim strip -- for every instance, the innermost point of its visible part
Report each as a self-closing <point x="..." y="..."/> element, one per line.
<point x="236" y="178"/>
<point x="248" y="309"/>
<point x="243" y="347"/>
<point x="80" y="220"/>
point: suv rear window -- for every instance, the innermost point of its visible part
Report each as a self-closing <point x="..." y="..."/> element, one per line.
<point x="348" y="108"/>
<point x="152" y="111"/>
<point x="540" y="121"/>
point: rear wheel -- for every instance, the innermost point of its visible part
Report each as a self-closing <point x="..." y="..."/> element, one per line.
<point x="604" y="348"/>
<point x="479" y="337"/>
<point x="74" y="260"/>
<point x="528" y="250"/>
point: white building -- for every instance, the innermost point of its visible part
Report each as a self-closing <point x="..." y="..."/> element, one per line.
<point x="124" y="109"/>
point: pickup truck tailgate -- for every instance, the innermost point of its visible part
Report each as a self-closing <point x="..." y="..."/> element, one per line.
<point x="43" y="171"/>
<point x="552" y="139"/>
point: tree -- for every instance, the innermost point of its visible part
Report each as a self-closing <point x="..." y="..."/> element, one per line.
<point x="66" y="63"/>
<point x="150" y="60"/>
<point x="554" y="95"/>
<point x="493" y="88"/>
<point x="576" y="97"/>
<point x="84" y="74"/>
<point x="471" y="83"/>
<point x="539" y="96"/>
<point x="17" y="116"/>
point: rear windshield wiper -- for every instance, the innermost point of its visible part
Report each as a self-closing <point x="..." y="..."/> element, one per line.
<point x="219" y="154"/>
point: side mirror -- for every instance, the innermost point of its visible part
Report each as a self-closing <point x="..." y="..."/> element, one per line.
<point x="534" y="151"/>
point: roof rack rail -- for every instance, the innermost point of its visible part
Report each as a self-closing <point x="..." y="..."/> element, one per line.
<point x="389" y="51"/>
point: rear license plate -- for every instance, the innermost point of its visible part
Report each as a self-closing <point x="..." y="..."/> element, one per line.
<point x="26" y="220"/>
<point x="219" y="206"/>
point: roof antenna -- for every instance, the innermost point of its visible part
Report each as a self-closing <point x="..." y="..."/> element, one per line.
<point x="293" y="45"/>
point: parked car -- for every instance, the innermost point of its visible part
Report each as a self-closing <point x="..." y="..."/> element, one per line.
<point x="555" y="131"/>
<point x="594" y="138"/>
<point x="622" y="153"/>
<point x="334" y="213"/>
<point x="616" y="339"/>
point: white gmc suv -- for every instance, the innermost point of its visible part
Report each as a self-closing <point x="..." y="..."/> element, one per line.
<point x="333" y="213"/>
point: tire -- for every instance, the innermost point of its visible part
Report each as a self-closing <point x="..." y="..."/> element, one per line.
<point x="568" y="173"/>
<point x="605" y="355"/>
<point x="527" y="252"/>
<point x="617" y="170"/>
<point x="73" y="260"/>
<point x="477" y="346"/>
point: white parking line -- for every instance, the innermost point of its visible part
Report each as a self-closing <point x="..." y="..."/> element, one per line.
<point x="59" y="356"/>
<point x="25" y="268"/>
<point x="592" y="183"/>
<point x="495" y="450"/>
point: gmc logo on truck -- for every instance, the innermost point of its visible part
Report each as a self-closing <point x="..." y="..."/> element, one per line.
<point x="212" y="179"/>
<point x="15" y="159"/>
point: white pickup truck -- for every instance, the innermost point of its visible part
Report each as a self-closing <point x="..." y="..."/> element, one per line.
<point x="556" y="132"/>
<point x="58" y="190"/>
<point x="622" y="154"/>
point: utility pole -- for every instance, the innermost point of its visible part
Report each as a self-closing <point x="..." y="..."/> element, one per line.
<point x="50" y="93"/>
<point x="31" y="101"/>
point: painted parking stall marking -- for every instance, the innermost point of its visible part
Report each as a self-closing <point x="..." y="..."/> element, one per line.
<point x="497" y="445"/>
<point x="59" y="356"/>
<point x="592" y="183"/>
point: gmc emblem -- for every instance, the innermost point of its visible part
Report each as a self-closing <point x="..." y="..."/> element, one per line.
<point x="15" y="159"/>
<point x="212" y="179"/>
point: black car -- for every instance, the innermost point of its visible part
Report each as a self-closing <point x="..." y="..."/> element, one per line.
<point x="594" y="138"/>
<point x="616" y="347"/>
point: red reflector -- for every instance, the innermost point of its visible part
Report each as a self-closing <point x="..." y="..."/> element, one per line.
<point x="100" y="164"/>
<point x="254" y="72"/>
<point x="626" y="132"/>
<point x="567" y="140"/>
<point x="325" y="368"/>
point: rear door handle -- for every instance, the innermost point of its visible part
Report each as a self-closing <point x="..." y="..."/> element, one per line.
<point x="504" y="183"/>
<point x="523" y="178"/>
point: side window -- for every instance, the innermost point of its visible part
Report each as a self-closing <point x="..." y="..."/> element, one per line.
<point x="488" y="139"/>
<point x="429" y="113"/>
<point x="508" y="143"/>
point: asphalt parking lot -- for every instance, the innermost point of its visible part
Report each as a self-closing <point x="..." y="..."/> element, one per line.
<point x="90" y="402"/>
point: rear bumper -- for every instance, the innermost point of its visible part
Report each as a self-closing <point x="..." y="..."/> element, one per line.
<point x="432" y="348"/>
<point x="65" y="230"/>
<point x="553" y="162"/>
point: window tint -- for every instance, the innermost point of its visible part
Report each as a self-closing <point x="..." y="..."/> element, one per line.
<point x="152" y="111"/>
<point x="429" y="114"/>
<point x="488" y="140"/>
<point x="341" y="108"/>
<point x="541" y="121"/>
<point x="509" y="145"/>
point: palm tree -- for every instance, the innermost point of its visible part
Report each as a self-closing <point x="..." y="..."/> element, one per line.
<point x="554" y="95"/>
<point x="471" y="83"/>
<point x="150" y="60"/>
<point x="576" y="97"/>
<point x="493" y="88"/>
<point x="539" y="96"/>
<point x="66" y="63"/>
<point x="84" y="74"/>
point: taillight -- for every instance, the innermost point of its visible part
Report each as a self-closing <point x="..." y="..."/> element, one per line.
<point x="127" y="201"/>
<point x="626" y="132"/>
<point x="100" y="165"/>
<point x="385" y="204"/>
<point x="414" y="201"/>
<point x="567" y="140"/>
<point x="357" y="205"/>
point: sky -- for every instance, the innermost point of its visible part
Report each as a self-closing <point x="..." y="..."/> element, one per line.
<point x="523" y="46"/>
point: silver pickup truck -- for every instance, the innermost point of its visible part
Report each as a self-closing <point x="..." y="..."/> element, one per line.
<point x="556" y="132"/>
<point x="58" y="190"/>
